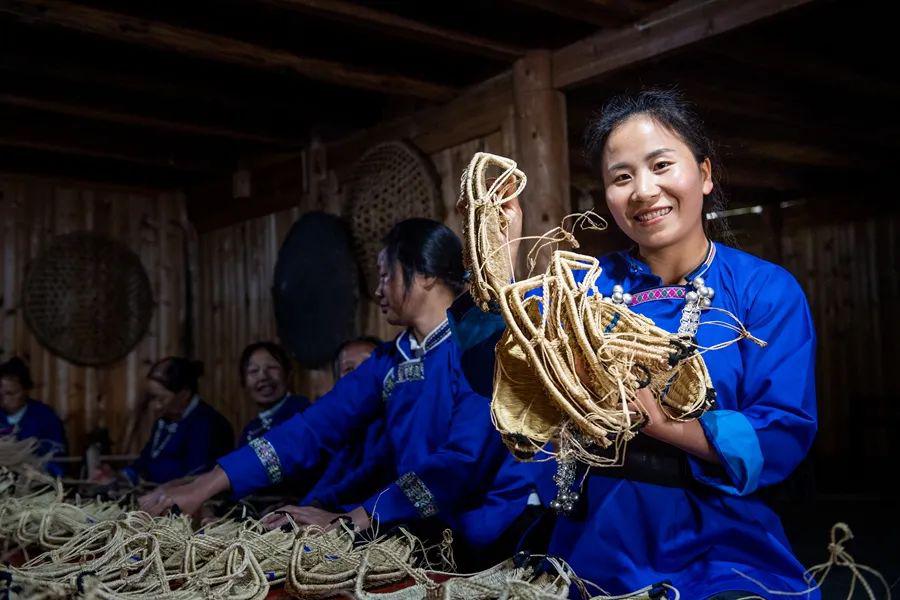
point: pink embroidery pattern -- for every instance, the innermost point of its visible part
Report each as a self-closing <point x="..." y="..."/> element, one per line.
<point x="662" y="293"/>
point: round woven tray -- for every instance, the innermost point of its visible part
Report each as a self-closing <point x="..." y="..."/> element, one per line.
<point x="87" y="298"/>
<point x="390" y="182"/>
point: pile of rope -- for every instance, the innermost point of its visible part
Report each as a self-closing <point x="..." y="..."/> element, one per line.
<point x="19" y="455"/>
<point x="101" y="550"/>
<point x="571" y="360"/>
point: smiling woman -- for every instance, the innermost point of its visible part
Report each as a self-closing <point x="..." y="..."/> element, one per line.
<point x="689" y="487"/>
<point x="265" y="369"/>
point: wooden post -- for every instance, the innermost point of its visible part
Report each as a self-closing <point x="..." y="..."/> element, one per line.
<point x="541" y="149"/>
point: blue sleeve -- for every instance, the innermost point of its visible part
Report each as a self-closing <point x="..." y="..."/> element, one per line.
<point x="138" y="469"/>
<point x="764" y="440"/>
<point x="245" y="432"/>
<point x="373" y="471"/>
<point x="455" y="472"/>
<point x="53" y="441"/>
<point x="301" y="442"/>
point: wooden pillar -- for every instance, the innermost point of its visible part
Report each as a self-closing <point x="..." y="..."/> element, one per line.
<point x="541" y="149"/>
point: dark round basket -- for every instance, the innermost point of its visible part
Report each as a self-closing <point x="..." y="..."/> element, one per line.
<point x="87" y="298"/>
<point x="390" y="182"/>
<point x="315" y="289"/>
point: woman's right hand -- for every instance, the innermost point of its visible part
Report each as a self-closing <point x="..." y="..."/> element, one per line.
<point x="103" y="475"/>
<point x="512" y="211"/>
<point x="188" y="497"/>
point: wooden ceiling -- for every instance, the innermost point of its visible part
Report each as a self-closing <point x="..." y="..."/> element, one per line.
<point x="801" y="105"/>
<point x="172" y="93"/>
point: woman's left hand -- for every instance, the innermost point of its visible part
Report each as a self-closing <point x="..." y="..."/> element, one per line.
<point x="657" y="422"/>
<point x="687" y="435"/>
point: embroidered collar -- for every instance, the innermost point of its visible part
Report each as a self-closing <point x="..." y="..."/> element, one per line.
<point x="15" y="418"/>
<point x="169" y="429"/>
<point x="637" y="266"/>
<point x="266" y="415"/>
<point x="435" y="338"/>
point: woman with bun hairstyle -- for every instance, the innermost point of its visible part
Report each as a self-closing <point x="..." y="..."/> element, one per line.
<point x="189" y="435"/>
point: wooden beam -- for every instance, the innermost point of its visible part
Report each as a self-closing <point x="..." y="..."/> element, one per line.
<point x="601" y="13"/>
<point x="276" y="186"/>
<point x="541" y="150"/>
<point x="110" y="116"/>
<point x="797" y="153"/>
<point x="390" y="23"/>
<point x="78" y="72"/>
<point x="125" y="28"/>
<point x="72" y="148"/>
<point x="478" y="111"/>
<point x="678" y="25"/>
<point x="807" y="67"/>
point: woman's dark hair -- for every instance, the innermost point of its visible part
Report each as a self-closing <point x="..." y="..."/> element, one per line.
<point x="176" y="373"/>
<point x="15" y="368"/>
<point x="277" y="352"/>
<point x="363" y="339"/>
<point x="426" y="247"/>
<point x="669" y="108"/>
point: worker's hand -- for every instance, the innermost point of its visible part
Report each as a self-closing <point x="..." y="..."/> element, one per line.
<point x="188" y="497"/>
<point x="646" y="404"/>
<point x="512" y="211"/>
<point x="103" y="475"/>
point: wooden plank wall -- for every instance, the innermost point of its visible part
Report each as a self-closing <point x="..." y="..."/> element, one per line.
<point x="235" y="303"/>
<point x="850" y="270"/>
<point x="236" y="267"/>
<point x="152" y="223"/>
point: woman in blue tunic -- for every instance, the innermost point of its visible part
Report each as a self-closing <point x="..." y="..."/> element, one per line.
<point x="360" y="465"/>
<point x="265" y="370"/>
<point x="25" y="418"/>
<point x="443" y="454"/>
<point x="189" y="434"/>
<point x="685" y="507"/>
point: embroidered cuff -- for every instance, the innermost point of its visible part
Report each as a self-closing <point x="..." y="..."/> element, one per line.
<point x="266" y="454"/>
<point x="418" y="494"/>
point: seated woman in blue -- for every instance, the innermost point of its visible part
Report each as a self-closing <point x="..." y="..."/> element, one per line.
<point x="441" y="449"/>
<point x="359" y="466"/>
<point x="685" y="506"/>
<point x="25" y="418"/>
<point x="189" y="435"/>
<point x="265" y="370"/>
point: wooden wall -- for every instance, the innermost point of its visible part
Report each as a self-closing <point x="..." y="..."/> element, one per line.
<point x="153" y="224"/>
<point x="236" y="264"/>
<point x="850" y="270"/>
<point x="235" y="303"/>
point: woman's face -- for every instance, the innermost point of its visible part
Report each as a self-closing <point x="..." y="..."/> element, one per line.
<point x="654" y="186"/>
<point x="165" y="403"/>
<point x="12" y="395"/>
<point x="264" y="378"/>
<point x="398" y="304"/>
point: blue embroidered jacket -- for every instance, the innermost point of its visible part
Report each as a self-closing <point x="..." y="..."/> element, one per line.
<point x="185" y="447"/>
<point x="441" y="449"/>
<point x="283" y="410"/>
<point x="700" y="535"/>
<point x="40" y="422"/>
